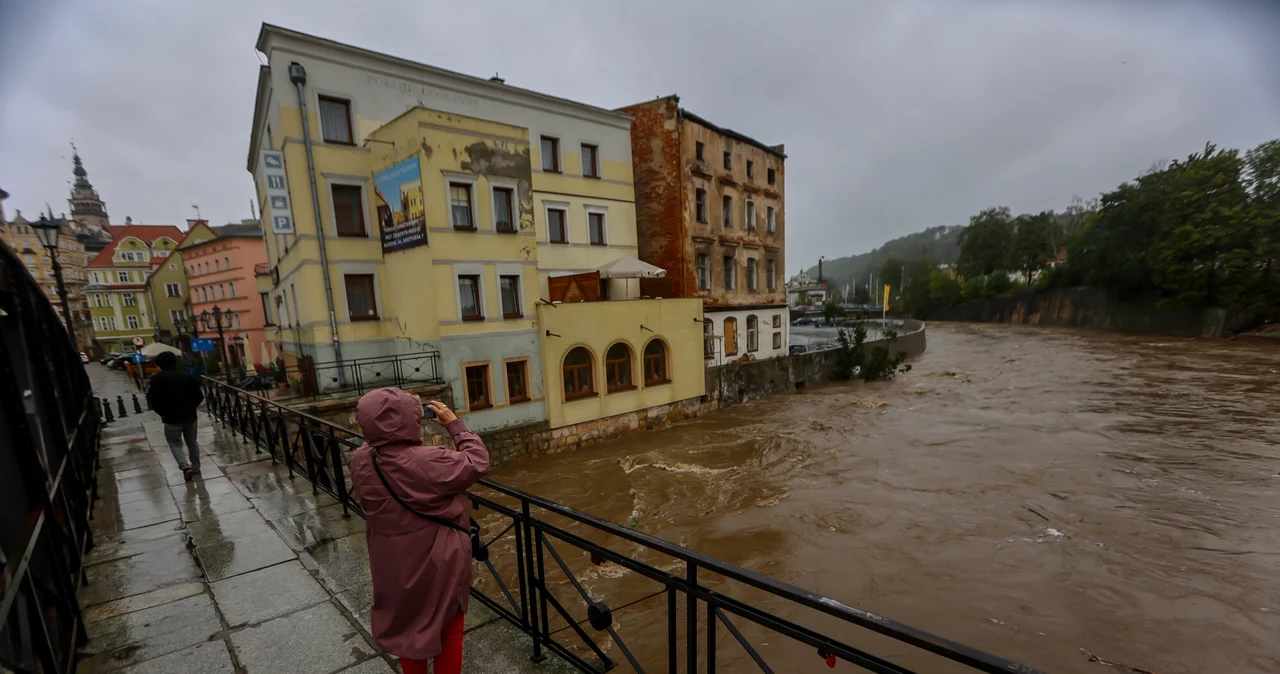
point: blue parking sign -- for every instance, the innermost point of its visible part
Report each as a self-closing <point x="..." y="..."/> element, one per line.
<point x="202" y="344"/>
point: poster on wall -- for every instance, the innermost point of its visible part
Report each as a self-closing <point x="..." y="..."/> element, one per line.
<point x="398" y="197"/>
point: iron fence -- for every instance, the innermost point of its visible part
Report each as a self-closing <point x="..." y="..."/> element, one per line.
<point x="313" y="380"/>
<point x="48" y="464"/>
<point x="708" y="614"/>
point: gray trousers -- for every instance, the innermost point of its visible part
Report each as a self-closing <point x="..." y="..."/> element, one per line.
<point x="174" y="434"/>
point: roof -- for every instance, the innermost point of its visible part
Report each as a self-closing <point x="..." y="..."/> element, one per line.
<point x="254" y="231"/>
<point x="147" y="233"/>
<point x="732" y="134"/>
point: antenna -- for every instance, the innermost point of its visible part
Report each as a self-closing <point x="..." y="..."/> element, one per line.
<point x="253" y="209"/>
<point x="197" y="207"/>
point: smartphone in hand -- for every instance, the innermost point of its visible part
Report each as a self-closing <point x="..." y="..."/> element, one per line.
<point x="428" y="413"/>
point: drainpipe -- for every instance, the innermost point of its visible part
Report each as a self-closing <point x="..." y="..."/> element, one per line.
<point x="298" y="75"/>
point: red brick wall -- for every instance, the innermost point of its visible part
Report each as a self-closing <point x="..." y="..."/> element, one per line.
<point x="656" y="164"/>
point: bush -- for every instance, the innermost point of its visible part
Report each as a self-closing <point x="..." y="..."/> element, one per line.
<point x="944" y="290"/>
<point x="998" y="282"/>
<point x="975" y="288"/>
<point x="856" y="360"/>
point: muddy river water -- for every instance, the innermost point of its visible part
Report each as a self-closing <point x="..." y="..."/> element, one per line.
<point x="1035" y="493"/>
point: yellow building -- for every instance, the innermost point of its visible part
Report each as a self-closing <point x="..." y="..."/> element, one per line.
<point x="444" y="206"/>
<point x="117" y="290"/>
<point x="22" y="239"/>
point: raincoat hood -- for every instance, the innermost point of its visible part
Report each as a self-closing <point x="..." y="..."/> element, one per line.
<point x="390" y="416"/>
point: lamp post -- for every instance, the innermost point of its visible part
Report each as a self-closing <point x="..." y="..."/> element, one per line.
<point x="217" y="321"/>
<point x="47" y="230"/>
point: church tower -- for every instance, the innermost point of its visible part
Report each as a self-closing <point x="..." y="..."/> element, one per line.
<point x="86" y="208"/>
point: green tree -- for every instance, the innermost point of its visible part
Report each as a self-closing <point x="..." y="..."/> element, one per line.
<point x="944" y="289"/>
<point x="998" y="282"/>
<point x="832" y="310"/>
<point x="891" y="273"/>
<point x="985" y="245"/>
<point x="1036" y="239"/>
<point x="861" y="294"/>
<point x="802" y="300"/>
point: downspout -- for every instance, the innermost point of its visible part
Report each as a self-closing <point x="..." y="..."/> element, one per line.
<point x="298" y="75"/>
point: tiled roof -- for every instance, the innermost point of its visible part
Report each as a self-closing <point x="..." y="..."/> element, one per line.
<point x="147" y="233"/>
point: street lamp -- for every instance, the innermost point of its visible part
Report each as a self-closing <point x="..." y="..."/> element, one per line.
<point x="217" y="321"/>
<point x="47" y="230"/>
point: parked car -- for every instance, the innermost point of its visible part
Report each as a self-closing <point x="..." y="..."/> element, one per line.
<point x="797" y="348"/>
<point x="109" y="357"/>
<point x="802" y="321"/>
<point x="84" y="357"/>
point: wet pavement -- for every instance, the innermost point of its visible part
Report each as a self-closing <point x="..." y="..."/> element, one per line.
<point x="242" y="570"/>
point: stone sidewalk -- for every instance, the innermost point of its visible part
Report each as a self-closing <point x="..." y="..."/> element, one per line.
<point x="243" y="570"/>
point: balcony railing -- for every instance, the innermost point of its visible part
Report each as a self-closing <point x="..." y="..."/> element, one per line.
<point x="312" y="380"/>
<point x="684" y="605"/>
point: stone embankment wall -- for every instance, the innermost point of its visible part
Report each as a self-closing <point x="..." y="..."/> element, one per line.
<point x="1098" y="309"/>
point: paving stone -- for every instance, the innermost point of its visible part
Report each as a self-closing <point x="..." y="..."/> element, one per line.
<point x="500" y="648"/>
<point x="141" y="601"/>
<point x="316" y="639"/>
<point x="224" y="504"/>
<point x="207" y="658"/>
<point x="359" y="601"/>
<point x="343" y="563"/>
<point x="230" y="558"/>
<point x="141" y="573"/>
<point x="142" y="635"/>
<point x="267" y="593"/>
<point x="206" y="489"/>
<point x="227" y="527"/>
<point x="306" y="530"/>
<point x="151" y="481"/>
<point x="375" y="665"/>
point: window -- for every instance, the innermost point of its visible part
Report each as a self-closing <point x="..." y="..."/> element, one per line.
<point x="477" y="379"/>
<point x="122" y="276"/>
<point x="777" y="321"/>
<point x="751" y="274"/>
<point x="173" y="266"/>
<point x="704" y="273"/>
<point x="335" y="120"/>
<point x="617" y="368"/>
<point x="460" y="206"/>
<point x="655" y="363"/>
<point x="111" y="322"/>
<point x="132" y="321"/>
<point x="231" y="285"/>
<point x="751" y="216"/>
<point x="226" y="263"/>
<point x="222" y="291"/>
<point x="216" y="265"/>
<point x="577" y="374"/>
<point x="726" y="207"/>
<point x="102" y="324"/>
<point x="97" y="300"/>
<point x="771" y="274"/>
<point x="503" y="209"/>
<point x="130" y="300"/>
<point x="729" y="273"/>
<point x="557" y="232"/>
<point x="266" y="309"/>
<point x="595" y="228"/>
<point x="753" y="333"/>
<point x="698" y="146"/>
<point x="550" y="154"/>
<point x="751" y="169"/>
<point x="728" y="162"/>
<point x="770" y="175"/>
<point x="777" y="340"/>
<point x="177" y="315"/>
<point x="509" y="288"/>
<point x="517" y="381"/>
<point x="700" y="204"/>
<point x="348" y="210"/>
<point x="172" y="290"/>
<point x="361" y="304"/>
<point x="590" y="161"/>
<point x="730" y="336"/>
<point x="469" y="298"/>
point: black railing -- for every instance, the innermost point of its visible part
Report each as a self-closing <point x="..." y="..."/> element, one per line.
<point x="48" y="463"/>
<point x="354" y="377"/>
<point x="712" y="615"/>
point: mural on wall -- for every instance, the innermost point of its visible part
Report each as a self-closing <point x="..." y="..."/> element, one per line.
<point x="398" y="196"/>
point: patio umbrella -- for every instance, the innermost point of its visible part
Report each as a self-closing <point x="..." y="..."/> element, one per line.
<point x="630" y="267"/>
<point x="156" y="348"/>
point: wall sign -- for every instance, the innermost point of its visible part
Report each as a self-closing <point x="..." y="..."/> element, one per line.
<point x="202" y="344"/>
<point x="277" y="189"/>
<point x="398" y="196"/>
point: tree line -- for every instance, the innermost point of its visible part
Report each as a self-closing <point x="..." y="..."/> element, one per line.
<point x="1195" y="232"/>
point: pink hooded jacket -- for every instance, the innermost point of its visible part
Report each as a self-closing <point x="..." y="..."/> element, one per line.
<point x="421" y="570"/>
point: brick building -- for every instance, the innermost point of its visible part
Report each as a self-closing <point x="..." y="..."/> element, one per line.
<point x="710" y="211"/>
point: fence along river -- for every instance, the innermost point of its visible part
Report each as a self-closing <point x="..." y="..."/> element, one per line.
<point x="1040" y="494"/>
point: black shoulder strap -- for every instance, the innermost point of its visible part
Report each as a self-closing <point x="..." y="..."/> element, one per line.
<point x="438" y="520"/>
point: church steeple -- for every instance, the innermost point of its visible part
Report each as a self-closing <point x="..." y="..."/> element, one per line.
<point x="86" y="208"/>
<point x="82" y="176"/>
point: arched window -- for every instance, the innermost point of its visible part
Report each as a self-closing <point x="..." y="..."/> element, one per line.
<point x="222" y="290"/>
<point x="226" y="263"/>
<point x="215" y="264"/>
<point x="655" y="363"/>
<point x="753" y="333"/>
<point x="233" y="288"/>
<point x="617" y="367"/>
<point x="577" y="374"/>
<point x="730" y="336"/>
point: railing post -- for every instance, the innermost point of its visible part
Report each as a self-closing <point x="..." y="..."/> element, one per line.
<point x="691" y="616"/>
<point x="535" y="582"/>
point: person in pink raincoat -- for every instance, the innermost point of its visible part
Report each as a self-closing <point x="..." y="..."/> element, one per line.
<point x="421" y="570"/>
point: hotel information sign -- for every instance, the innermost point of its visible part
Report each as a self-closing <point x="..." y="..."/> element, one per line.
<point x="277" y="189"/>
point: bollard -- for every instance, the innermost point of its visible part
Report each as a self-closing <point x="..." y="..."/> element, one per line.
<point x="137" y="406"/>
<point x="106" y="410"/>
<point x="120" y="407"/>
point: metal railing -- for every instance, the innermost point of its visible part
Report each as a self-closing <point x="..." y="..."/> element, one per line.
<point x="355" y="377"/>
<point x="48" y="464"/>
<point x="702" y="604"/>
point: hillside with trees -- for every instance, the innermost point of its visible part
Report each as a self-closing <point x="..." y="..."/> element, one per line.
<point x="939" y="243"/>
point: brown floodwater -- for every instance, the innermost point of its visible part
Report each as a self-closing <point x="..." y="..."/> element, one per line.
<point x="1036" y="493"/>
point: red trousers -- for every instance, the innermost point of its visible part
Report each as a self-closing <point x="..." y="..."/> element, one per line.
<point x="450" y="659"/>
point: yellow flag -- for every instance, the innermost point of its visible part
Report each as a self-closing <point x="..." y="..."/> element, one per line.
<point x="886" y="296"/>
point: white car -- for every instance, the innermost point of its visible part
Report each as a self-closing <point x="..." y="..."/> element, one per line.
<point x="84" y="357"/>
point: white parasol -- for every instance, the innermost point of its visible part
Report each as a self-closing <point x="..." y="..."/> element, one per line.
<point x="630" y="267"/>
<point x="156" y="348"/>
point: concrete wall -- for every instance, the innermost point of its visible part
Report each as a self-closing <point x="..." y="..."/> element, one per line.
<point x="1098" y="309"/>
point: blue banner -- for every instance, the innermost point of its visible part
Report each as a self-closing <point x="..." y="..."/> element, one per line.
<point x="202" y="344"/>
<point x="399" y="204"/>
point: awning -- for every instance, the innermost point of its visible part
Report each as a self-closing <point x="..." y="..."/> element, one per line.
<point x="630" y="267"/>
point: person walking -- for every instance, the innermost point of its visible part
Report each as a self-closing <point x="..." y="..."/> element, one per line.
<point x="175" y="395"/>
<point x="416" y="524"/>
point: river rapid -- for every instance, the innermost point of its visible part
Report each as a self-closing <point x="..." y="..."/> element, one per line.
<point x="1040" y="494"/>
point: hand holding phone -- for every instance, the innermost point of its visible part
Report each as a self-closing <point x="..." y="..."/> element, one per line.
<point x="440" y="413"/>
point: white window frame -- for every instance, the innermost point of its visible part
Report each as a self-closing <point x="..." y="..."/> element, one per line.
<point x="494" y="185"/>
<point x="702" y="274"/>
<point x="111" y="321"/>
<point x="349" y="181"/>
<point x="599" y="172"/>
<point x="504" y="269"/>
<point x="602" y="211"/>
<point x="565" y="206"/>
<point x="132" y="321"/>
<point x="128" y="300"/>
<point x="177" y="315"/>
<point x="470" y="179"/>
<point x="356" y="268"/>
<point x="559" y="152"/>
<point x="176" y="290"/>
<point x="472" y="269"/>
<point x="122" y="277"/>
<point x="316" y="93"/>
<point x="769" y="218"/>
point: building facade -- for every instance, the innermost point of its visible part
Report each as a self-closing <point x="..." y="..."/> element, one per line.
<point x="711" y="211"/>
<point x="447" y="210"/>
<point x="22" y="239"/>
<point x="804" y="291"/>
<point x="219" y="268"/>
<point x="117" y="286"/>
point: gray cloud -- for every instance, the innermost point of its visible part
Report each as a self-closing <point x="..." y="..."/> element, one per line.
<point x="896" y="115"/>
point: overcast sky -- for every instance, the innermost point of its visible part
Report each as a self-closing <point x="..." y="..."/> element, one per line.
<point x="897" y="115"/>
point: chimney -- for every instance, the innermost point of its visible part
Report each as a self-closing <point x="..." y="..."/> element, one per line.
<point x="128" y="220"/>
<point x="819" y="271"/>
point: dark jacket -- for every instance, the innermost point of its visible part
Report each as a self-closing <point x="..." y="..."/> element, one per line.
<point x="175" y="395"/>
